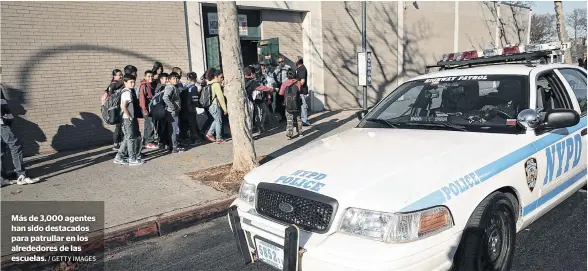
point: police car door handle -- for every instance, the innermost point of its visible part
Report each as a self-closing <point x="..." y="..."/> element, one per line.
<point x="583" y="132"/>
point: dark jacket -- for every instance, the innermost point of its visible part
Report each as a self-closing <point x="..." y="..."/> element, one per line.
<point x="145" y="96"/>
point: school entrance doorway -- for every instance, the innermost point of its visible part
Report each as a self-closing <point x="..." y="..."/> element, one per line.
<point x="249" y="33"/>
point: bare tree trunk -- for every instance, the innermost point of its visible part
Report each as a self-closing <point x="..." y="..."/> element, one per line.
<point x="561" y="29"/>
<point x="244" y="157"/>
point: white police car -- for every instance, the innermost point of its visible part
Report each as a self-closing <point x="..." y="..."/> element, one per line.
<point x="439" y="175"/>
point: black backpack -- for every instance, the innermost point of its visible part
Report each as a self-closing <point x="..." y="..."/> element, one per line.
<point x="111" y="111"/>
<point x="205" y="98"/>
<point x="157" y="106"/>
<point x="292" y="98"/>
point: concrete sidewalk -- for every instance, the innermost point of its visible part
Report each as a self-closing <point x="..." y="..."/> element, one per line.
<point x="160" y="186"/>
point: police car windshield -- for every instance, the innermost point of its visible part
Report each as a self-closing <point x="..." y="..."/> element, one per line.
<point x="486" y="103"/>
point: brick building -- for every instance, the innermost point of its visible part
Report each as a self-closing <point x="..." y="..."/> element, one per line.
<point x="57" y="56"/>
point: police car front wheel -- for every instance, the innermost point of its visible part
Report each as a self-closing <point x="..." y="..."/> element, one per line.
<point x="488" y="239"/>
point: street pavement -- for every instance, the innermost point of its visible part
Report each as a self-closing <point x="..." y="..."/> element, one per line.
<point x="557" y="241"/>
<point x="160" y="186"/>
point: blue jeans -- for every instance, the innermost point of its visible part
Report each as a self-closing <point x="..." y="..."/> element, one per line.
<point x="131" y="145"/>
<point x="173" y="124"/>
<point x="304" y="109"/>
<point x="217" y="124"/>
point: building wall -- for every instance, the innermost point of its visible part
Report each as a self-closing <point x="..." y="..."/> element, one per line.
<point x="342" y="28"/>
<point x="57" y="59"/>
<point x="287" y="26"/>
<point x="402" y="44"/>
<point x="477" y="26"/>
<point x="312" y="39"/>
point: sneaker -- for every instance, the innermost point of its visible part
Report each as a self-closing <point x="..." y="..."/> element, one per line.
<point x="136" y="162"/>
<point x="4" y="182"/>
<point x="210" y="138"/>
<point x="306" y="124"/>
<point x="151" y="146"/>
<point x="22" y="180"/>
<point x="115" y="147"/>
<point x="121" y="161"/>
<point x="178" y="150"/>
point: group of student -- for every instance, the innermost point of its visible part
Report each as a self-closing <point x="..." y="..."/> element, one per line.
<point x="169" y="107"/>
<point x="289" y="88"/>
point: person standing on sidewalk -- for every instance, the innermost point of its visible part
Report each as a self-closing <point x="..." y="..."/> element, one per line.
<point x="10" y="140"/>
<point x="290" y="90"/>
<point x="160" y="128"/>
<point x="189" y="102"/>
<point x="281" y="76"/>
<point x="171" y="98"/>
<point x="257" y="94"/>
<point x="116" y="85"/>
<point x="145" y="96"/>
<point x="301" y="76"/>
<point x="130" y="147"/>
<point x="218" y="106"/>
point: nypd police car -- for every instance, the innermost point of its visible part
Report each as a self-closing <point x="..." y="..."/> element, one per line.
<point x="441" y="174"/>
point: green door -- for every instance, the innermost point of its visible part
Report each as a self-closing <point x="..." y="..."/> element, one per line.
<point x="213" y="57"/>
<point x="268" y="51"/>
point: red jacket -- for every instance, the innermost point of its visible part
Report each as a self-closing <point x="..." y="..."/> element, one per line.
<point x="287" y="84"/>
<point x="145" y="95"/>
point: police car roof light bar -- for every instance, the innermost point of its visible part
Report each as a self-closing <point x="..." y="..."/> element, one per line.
<point x="528" y="53"/>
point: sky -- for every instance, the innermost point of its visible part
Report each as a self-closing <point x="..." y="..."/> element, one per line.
<point x="542" y="7"/>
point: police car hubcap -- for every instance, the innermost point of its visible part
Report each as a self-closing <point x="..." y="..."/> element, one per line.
<point x="494" y="239"/>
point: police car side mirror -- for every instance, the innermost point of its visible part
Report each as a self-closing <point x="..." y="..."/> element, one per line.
<point x="559" y="118"/>
<point x="529" y="118"/>
<point x="360" y="114"/>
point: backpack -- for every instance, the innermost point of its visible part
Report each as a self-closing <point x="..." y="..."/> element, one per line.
<point x="194" y="96"/>
<point x="111" y="111"/>
<point x="157" y="107"/>
<point x="292" y="98"/>
<point x="205" y="98"/>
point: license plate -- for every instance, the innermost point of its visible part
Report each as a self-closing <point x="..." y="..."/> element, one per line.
<point x="270" y="254"/>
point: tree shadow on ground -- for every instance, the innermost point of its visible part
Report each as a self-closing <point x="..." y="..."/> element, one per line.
<point x="310" y="135"/>
<point x="281" y="126"/>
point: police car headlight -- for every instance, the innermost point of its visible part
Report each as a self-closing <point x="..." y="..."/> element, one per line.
<point x="247" y="192"/>
<point x="396" y="228"/>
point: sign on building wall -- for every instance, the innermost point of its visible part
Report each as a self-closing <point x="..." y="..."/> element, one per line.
<point x="243" y="30"/>
<point x="213" y="24"/>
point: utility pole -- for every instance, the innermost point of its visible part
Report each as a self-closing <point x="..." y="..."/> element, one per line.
<point x="562" y="33"/>
<point x="363" y="47"/>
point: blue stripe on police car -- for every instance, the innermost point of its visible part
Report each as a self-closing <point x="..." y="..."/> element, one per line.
<point x="452" y="189"/>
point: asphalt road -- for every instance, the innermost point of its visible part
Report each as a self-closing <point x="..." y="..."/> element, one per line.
<point x="555" y="242"/>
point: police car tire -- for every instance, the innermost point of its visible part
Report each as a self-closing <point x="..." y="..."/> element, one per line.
<point x="472" y="249"/>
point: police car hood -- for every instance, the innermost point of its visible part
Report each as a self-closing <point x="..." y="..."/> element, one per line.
<point x="385" y="169"/>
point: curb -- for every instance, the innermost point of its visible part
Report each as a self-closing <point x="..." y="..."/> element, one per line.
<point x="123" y="237"/>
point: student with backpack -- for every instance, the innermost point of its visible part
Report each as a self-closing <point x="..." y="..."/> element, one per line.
<point x="171" y="98"/>
<point x="145" y="96"/>
<point x="115" y="86"/>
<point x="190" y="100"/>
<point x="130" y="148"/>
<point x="257" y="94"/>
<point x="160" y="128"/>
<point x="292" y="103"/>
<point x="212" y="97"/>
